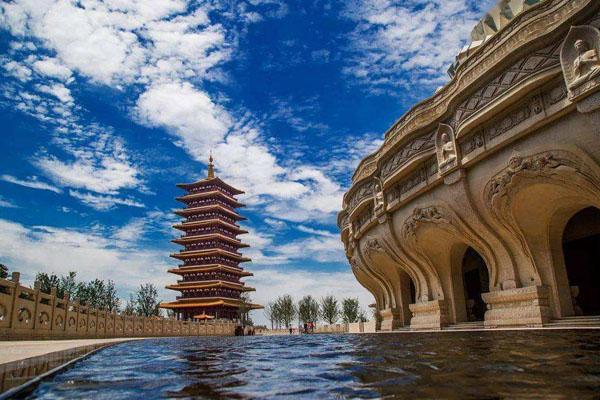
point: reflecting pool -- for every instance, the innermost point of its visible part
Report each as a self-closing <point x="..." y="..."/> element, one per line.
<point x="458" y="365"/>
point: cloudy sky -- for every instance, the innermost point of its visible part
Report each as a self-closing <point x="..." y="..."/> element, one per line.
<point x="106" y="105"/>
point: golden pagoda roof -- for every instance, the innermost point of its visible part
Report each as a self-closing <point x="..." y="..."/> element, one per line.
<point x="195" y="238"/>
<point x="207" y="302"/>
<point x="210" y="284"/>
<point x="194" y="210"/>
<point x="209" y="194"/>
<point x="215" y="221"/>
<point x="210" y="267"/>
<point x="198" y="253"/>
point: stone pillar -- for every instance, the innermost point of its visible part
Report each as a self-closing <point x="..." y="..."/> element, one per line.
<point x="526" y="306"/>
<point x="429" y="315"/>
<point x="391" y="318"/>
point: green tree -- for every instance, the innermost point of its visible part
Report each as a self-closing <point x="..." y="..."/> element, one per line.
<point x="308" y="309"/>
<point x="3" y="271"/>
<point x="350" y="310"/>
<point x="111" y="301"/>
<point x="68" y="285"/>
<point x="362" y="317"/>
<point x="271" y="313"/>
<point x="146" y="301"/>
<point x="47" y="282"/>
<point x="244" y="310"/>
<point x="330" y="309"/>
<point x="130" y="306"/>
<point x="287" y="310"/>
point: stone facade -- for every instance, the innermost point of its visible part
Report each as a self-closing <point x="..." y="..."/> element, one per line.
<point x="27" y="314"/>
<point x="471" y="207"/>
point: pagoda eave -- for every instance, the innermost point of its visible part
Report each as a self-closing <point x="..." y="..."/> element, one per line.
<point x="211" y="284"/>
<point x="208" y="268"/>
<point x="197" y="238"/>
<point x="215" y="180"/>
<point x="208" y="302"/>
<point x="183" y="212"/>
<point x="194" y="224"/>
<point x="209" y="194"/>
<point x="208" y="252"/>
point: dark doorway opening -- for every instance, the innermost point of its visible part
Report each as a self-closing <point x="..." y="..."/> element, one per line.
<point x="413" y="292"/>
<point x="476" y="281"/>
<point x="581" y="247"/>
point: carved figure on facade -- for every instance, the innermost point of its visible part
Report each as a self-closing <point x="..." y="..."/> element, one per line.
<point x="372" y="246"/>
<point x="539" y="164"/>
<point x="422" y="215"/>
<point x="580" y="60"/>
<point x="445" y="144"/>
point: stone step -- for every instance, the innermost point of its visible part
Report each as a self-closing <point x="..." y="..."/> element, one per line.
<point x="465" y="326"/>
<point x="583" y="321"/>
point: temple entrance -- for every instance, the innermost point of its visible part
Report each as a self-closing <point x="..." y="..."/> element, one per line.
<point x="581" y="248"/>
<point x="475" y="282"/>
<point x="413" y="292"/>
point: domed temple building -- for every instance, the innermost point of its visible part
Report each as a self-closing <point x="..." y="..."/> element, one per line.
<point x="210" y="272"/>
<point x="482" y="206"/>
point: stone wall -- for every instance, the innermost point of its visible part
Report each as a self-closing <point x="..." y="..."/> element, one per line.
<point x="27" y="314"/>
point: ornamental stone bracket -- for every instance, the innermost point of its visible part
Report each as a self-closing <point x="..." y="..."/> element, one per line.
<point x="526" y="306"/>
<point x="580" y="61"/>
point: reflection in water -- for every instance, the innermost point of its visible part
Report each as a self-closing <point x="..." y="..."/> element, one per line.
<point x="476" y="365"/>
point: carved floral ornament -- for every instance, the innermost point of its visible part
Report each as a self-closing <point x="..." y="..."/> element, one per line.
<point x="548" y="163"/>
<point x="580" y="61"/>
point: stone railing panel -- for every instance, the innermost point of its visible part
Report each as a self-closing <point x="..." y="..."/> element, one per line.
<point x="27" y="313"/>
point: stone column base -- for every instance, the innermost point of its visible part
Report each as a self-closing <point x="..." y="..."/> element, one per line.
<point x="390" y="319"/>
<point x="429" y="315"/>
<point x="526" y="306"/>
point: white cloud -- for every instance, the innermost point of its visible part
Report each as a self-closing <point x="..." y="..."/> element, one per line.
<point x="6" y="203"/>
<point x="31" y="182"/>
<point x="187" y="112"/>
<point x="101" y="173"/>
<point x="58" y="250"/>
<point x="53" y="68"/>
<point x="18" y="70"/>
<point x="407" y="43"/>
<point x="57" y="90"/>
<point x="104" y="202"/>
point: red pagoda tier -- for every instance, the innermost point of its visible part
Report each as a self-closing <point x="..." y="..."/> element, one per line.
<point x="210" y="272"/>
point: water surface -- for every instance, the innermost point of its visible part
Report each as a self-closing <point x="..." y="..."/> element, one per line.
<point x="458" y="365"/>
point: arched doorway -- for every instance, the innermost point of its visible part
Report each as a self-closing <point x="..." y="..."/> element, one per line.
<point x="581" y="249"/>
<point x="475" y="282"/>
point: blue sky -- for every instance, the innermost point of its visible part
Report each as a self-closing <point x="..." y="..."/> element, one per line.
<point x="107" y="104"/>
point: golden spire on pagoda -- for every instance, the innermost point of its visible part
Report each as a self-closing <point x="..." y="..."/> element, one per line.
<point x="211" y="167"/>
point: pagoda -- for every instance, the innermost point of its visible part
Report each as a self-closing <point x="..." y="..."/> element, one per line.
<point x="210" y="271"/>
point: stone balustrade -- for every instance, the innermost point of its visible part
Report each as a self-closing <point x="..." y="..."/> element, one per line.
<point x="27" y="313"/>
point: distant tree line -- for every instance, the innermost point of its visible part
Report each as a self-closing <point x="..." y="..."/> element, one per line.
<point x="282" y="312"/>
<point x="102" y="294"/>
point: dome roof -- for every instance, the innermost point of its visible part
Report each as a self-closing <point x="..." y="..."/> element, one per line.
<point x="496" y="19"/>
<point x="499" y="16"/>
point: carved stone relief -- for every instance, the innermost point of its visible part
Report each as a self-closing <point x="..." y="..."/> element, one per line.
<point x="580" y="60"/>
<point x="404" y="154"/>
<point x="545" y="58"/>
<point x="447" y="154"/>
<point x="423" y="174"/>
